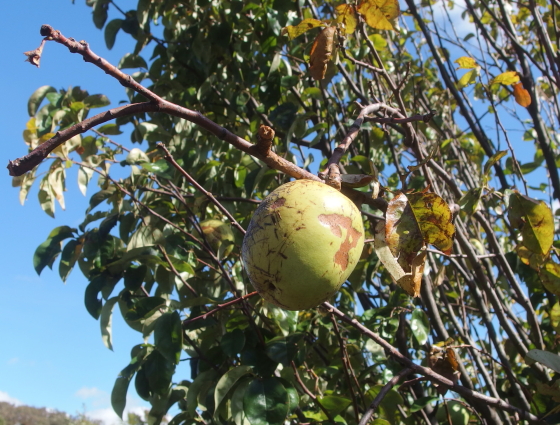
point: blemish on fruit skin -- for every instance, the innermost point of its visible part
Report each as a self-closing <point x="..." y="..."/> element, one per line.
<point x="277" y="204"/>
<point x="336" y="223"/>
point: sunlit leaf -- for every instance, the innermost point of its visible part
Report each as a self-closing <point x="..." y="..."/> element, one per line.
<point x="550" y="277"/>
<point x="493" y="160"/>
<point x="105" y="322"/>
<point x="506" y="78"/>
<point x="468" y="79"/>
<point x="37" y="97"/>
<point x="294" y="31"/>
<point x="378" y="14"/>
<point x="534" y="219"/>
<point x="420" y="326"/>
<point x="466" y="62"/>
<point x="346" y="14"/>
<point x="470" y="202"/>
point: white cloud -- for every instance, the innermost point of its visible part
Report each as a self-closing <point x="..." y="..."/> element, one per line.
<point x="100" y="401"/>
<point x="85" y="393"/>
<point x="6" y="397"/>
<point x="109" y="417"/>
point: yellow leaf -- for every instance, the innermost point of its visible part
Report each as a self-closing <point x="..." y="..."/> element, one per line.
<point x="294" y="31"/>
<point x="506" y="78"/>
<point x="550" y="277"/>
<point x="434" y="219"/>
<point x="321" y="53"/>
<point x="521" y="95"/>
<point x="379" y="13"/>
<point x="466" y="62"/>
<point x="346" y="14"/>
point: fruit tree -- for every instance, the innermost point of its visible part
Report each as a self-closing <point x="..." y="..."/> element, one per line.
<point x="435" y="123"/>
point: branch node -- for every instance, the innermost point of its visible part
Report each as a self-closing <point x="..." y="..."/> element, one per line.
<point x="265" y="137"/>
<point x="332" y="178"/>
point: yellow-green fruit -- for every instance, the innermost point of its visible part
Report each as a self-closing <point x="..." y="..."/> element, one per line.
<point x="303" y="242"/>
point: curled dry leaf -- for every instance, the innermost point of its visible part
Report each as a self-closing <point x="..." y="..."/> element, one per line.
<point x="410" y="282"/>
<point x="521" y="95"/>
<point x="402" y="233"/>
<point x="321" y="53"/>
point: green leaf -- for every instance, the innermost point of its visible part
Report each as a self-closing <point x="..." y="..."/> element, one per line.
<point x="132" y="61"/>
<point x="468" y="79"/>
<point x="100" y="12"/>
<point x="168" y="336"/>
<point x="233" y="342"/>
<point x="493" y="160"/>
<point x="70" y="255"/>
<point x="159" y="372"/>
<point x="470" y="202"/>
<point x="420" y="326"/>
<point x="134" y="276"/>
<point x="335" y="404"/>
<point x="422" y="402"/>
<point x="550" y="360"/>
<point x="266" y="402"/>
<point x="111" y="31"/>
<point x="46" y="253"/>
<point x="37" y="97"/>
<point x="97" y="101"/>
<point x="144" y="308"/>
<point x="200" y="381"/>
<point x="106" y="322"/>
<point x="226" y="383"/>
<point x="535" y="220"/>
<point x="283" y="350"/>
<point x="118" y="395"/>
<point x="110" y="129"/>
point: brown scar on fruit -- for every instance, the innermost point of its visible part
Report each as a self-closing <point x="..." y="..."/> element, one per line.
<point x="336" y="223"/>
<point x="278" y="203"/>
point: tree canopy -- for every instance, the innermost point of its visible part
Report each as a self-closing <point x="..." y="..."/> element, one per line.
<point x="438" y="119"/>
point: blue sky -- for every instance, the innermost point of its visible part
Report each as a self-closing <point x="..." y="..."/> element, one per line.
<point x="52" y="354"/>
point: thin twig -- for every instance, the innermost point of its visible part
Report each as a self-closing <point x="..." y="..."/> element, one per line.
<point x="382" y="393"/>
<point x="220" y="307"/>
